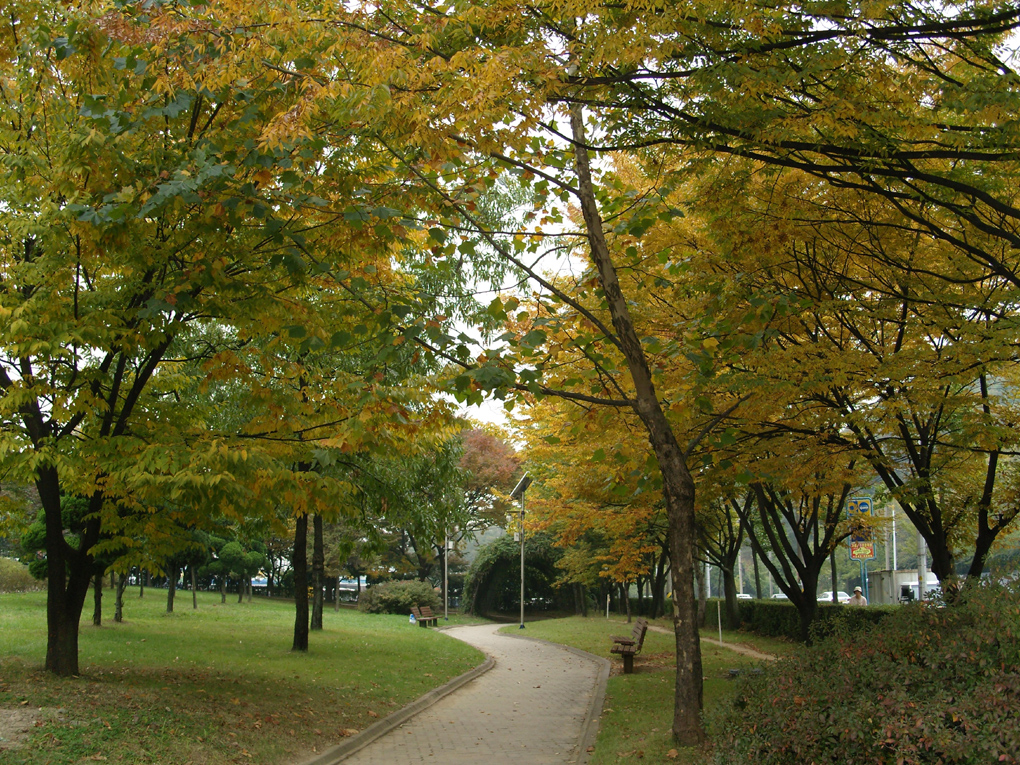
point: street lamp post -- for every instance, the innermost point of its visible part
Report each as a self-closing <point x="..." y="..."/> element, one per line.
<point x="518" y="493"/>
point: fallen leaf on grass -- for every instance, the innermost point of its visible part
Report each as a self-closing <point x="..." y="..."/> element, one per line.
<point x="672" y="754"/>
<point x="372" y="714"/>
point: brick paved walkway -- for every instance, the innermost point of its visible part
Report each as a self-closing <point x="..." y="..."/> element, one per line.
<point x="539" y="704"/>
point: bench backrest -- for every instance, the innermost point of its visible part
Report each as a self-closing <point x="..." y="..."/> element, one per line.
<point x="639" y="627"/>
<point x="639" y="632"/>
<point x="426" y="611"/>
<point x="416" y="612"/>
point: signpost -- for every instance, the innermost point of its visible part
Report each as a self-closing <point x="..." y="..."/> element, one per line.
<point x="862" y="546"/>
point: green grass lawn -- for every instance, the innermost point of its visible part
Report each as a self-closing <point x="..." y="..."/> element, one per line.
<point x="215" y="685"/>
<point x="638" y="712"/>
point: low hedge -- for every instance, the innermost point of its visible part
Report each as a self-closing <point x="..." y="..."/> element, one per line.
<point x="779" y="618"/>
<point x="927" y="685"/>
<point x="398" y="597"/>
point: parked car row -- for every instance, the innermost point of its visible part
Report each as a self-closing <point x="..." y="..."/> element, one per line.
<point x="825" y="597"/>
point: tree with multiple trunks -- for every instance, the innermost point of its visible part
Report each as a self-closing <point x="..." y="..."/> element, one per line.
<point x="721" y="531"/>
<point x="911" y="372"/>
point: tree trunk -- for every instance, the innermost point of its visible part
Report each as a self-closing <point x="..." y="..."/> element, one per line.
<point x="223" y="589"/>
<point x="318" y="572"/>
<point x="659" y="586"/>
<point x="194" y="590"/>
<point x="757" y="575"/>
<point x="143" y="579"/>
<point x="97" y="601"/>
<point x="68" y="573"/>
<point x="118" y="610"/>
<point x="699" y="578"/>
<point x="835" y="584"/>
<point x="625" y="597"/>
<point x="808" y="605"/>
<point x="300" y="564"/>
<point x="807" y="611"/>
<point x="171" y="589"/>
<point x="730" y="592"/>
<point x="678" y="484"/>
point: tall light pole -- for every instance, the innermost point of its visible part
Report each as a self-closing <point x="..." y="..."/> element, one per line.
<point x="518" y="493"/>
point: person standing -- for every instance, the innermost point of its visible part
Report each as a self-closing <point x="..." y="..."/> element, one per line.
<point x="858" y="598"/>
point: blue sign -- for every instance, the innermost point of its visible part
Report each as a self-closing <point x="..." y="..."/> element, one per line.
<point x="855" y="507"/>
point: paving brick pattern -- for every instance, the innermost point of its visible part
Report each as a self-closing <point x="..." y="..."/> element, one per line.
<point x="529" y="708"/>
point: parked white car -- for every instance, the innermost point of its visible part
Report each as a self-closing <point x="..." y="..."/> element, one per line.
<point x="744" y="596"/>
<point x="826" y="597"/>
<point x="780" y="596"/>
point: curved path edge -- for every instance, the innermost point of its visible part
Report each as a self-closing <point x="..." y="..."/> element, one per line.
<point x="590" y="727"/>
<point x="360" y="740"/>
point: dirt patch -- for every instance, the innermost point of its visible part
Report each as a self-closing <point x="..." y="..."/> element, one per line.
<point x="646" y="662"/>
<point x="16" y="725"/>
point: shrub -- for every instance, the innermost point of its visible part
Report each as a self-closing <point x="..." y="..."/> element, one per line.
<point x="397" y="597"/>
<point x="15" y="577"/>
<point x="926" y="685"/>
<point x="493" y="581"/>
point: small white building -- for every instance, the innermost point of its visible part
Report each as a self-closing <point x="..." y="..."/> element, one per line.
<point x="885" y="587"/>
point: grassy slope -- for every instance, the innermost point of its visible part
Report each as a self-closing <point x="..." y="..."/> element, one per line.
<point x="638" y="712"/>
<point x="215" y="685"/>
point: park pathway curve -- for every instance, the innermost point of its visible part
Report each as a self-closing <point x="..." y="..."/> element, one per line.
<point x="539" y="703"/>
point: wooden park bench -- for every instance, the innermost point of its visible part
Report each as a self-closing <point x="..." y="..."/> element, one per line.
<point x="424" y="615"/>
<point x="628" y="647"/>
